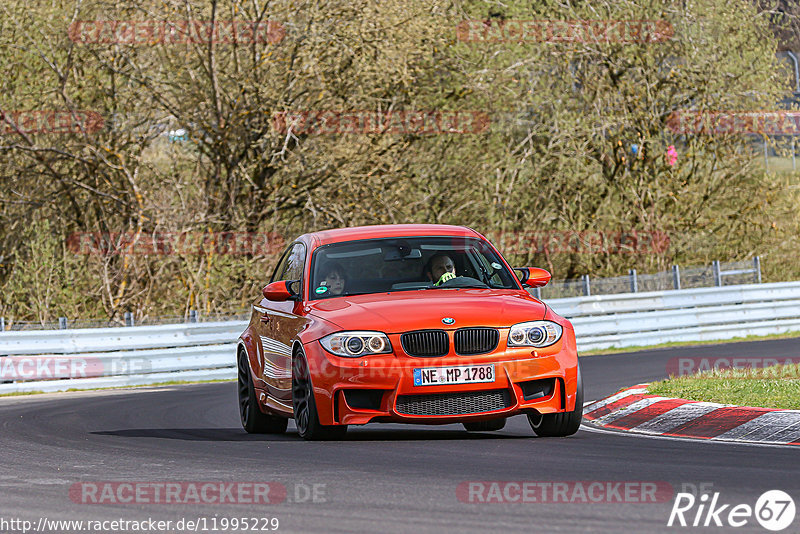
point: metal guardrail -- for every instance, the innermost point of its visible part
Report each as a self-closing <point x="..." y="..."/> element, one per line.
<point x="127" y="319"/>
<point x="88" y="358"/>
<point x="58" y="360"/>
<point x="703" y="314"/>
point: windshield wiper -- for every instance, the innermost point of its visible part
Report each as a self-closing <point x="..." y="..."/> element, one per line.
<point x="464" y="284"/>
<point x="487" y="279"/>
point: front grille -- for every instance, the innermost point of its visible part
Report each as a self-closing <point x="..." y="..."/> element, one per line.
<point x="453" y="403"/>
<point x="425" y="343"/>
<point x="476" y="340"/>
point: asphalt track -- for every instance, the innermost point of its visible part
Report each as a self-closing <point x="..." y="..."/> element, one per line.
<point x="383" y="478"/>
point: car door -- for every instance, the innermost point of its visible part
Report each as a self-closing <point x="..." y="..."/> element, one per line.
<point x="280" y="322"/>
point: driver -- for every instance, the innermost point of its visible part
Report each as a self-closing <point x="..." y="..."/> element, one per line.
<point x="332" y="281"/>
<point x="440" y="268"/>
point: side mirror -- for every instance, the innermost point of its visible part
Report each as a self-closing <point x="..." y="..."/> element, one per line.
<point x="532" y="276"/>
<point x="280" y="291"/>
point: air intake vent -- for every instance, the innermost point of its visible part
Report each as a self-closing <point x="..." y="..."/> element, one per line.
<point x="537" y="389"/>
<point x="425" y="343"/>
<point x="453" y="403"/>
<point x="364" y="399"/>
<point x="476" y="340"/>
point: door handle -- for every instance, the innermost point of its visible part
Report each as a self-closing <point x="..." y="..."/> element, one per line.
<point x="265" y="318"/>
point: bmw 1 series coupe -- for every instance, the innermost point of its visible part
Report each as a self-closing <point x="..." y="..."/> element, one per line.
<point x="422" y="324"/>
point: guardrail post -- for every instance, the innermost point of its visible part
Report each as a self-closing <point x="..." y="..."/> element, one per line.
<point x="192" y="316"/>
<point x="128" y="319"/>
<point x="757" y="268"/>
<point x="537" y="293"/>
<point x="717" y="275"/>
<point x="2" y="324"/>
<point x="62" y="323"/>
<point x="634" y="281"/>
<point x="587" y="290"/>
<point x="676" y="277"/>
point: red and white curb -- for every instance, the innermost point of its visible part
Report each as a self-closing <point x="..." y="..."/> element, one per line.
<point x="633" y="410"/>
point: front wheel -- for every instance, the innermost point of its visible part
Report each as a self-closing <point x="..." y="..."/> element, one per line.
<point x="306" y="417"/>
<point x="253" y="421"/>
<point x="560" y="424"/>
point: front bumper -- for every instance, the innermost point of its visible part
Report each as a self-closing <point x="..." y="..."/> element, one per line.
<point x="355" y="391"/>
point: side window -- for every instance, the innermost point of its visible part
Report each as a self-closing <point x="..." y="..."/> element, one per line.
<point x="292" y="264"/>
<point x="276" y="274"/>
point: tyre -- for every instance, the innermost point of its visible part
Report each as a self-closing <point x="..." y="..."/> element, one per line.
<point x="306" y="417"/>
<point x="560" y="424"/>
<point x="486" y="426"/>
<point x="253" y="421"/>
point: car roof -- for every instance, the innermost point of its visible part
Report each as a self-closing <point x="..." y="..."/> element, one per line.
<point x="337" y="235"/>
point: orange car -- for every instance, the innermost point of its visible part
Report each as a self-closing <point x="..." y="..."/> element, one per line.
<point x="404" y="323"/>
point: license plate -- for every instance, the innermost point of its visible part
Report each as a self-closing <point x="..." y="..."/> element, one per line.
<point x="462" y="374"/>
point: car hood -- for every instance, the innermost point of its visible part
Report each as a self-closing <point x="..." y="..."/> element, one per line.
<point x="419" y="310"/>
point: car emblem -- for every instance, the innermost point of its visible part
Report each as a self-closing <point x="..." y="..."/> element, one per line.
<point x="448" y="320"/>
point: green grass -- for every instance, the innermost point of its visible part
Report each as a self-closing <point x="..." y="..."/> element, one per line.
<point x="167" y="383"/>
<point x="22" y="393"/>
<point x="638" y="348"/>
<point x="771" y="387"/>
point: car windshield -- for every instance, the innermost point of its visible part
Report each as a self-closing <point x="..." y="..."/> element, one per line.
<point x="406" y="264"/>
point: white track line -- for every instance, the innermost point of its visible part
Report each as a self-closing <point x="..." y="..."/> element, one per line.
<point x="674" y="438"/>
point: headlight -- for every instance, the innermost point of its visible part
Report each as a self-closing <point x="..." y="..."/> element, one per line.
<point x="534" y="334"/>
<point x="355" y="344"/>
